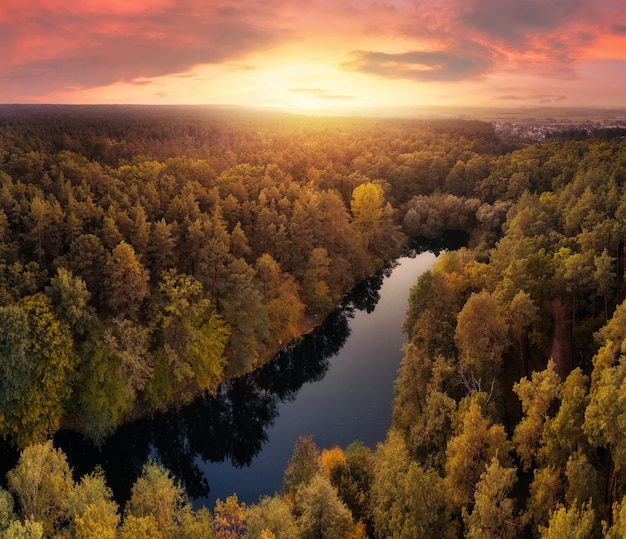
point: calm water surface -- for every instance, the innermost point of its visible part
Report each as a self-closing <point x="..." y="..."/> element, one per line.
<point x="352" y="401"/>
<point x="335" y="384"/>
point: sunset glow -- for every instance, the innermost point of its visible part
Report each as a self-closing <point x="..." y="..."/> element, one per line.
<point x="321" y="55"/>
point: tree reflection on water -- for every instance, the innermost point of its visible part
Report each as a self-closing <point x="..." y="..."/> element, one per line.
<point x="231" y="425"/>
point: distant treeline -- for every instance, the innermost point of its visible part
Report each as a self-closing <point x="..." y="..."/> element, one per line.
<point x="602" y="133"/>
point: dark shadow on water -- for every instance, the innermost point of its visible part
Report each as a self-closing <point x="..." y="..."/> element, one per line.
<point x="450" y="240"/>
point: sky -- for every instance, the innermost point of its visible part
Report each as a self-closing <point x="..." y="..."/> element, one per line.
<point x="315" y="55"/>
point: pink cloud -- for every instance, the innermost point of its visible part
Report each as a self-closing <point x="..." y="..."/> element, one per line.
<point x="50" y="47"/>
<point x="461" y="39"/>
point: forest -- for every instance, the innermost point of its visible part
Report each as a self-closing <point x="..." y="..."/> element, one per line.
<point x="148" y="254"/>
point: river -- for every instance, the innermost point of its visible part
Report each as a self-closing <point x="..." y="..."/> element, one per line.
<point x="335" y="384"/>
<point x="351" y="402"/>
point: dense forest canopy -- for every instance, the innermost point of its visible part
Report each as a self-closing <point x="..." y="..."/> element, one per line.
<point x="148" y="253"/>
<point x="171" y="247"/>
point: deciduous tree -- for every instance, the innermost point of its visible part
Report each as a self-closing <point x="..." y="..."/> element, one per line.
<point x="41" y="483"/>
<point x="471" y="451"/>
<point x="407" y="500"/>
<point x="156" y="495"/>
<point x="482" y="337"/>
<point x="576" y="521"/>
<point x="271" y="515"/>
<point x="320" y="511"/>
<point x="42" y="402"/>
<point x="190" y="333"/>
<point x="368" y="200"/>
<point x="91" y="510"/>
<point x="494" y="513"/>
<point x="537" y="397"/>
<point x="284" y="306"/>
<point x="229" y="519"/>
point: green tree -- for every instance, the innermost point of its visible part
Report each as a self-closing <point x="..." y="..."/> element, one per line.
<point x="320" y="511"/>
<point x="271" y="515"/>
<point x="617" y="529"/>
<point x="6" y="510"/>
<point x="91" y="510"/>
<point x="42" y="402"/>
<point x="537" y="397"/>
<point x="563" y="435"/>
<point x="482" y="338"/>
<point x="303" y="465"/>
<point x="39" y="220"/>
<point x="577" y="522"/>
<point x="87" y="258"/>
<point x="126" y="280"/>
<point x="406" y="500"/>
<point x="156" y="495"/>
<point x="30" y="529"/>
<point x="522" y="312"/>
<point x="576" y="269"/>
<point x="161" y="248"/>
<point x="211" y="254"/>
<point x="285" y="310"/>
<point x="194" y="524"/>
<point x="546" y="491"/>
<point x="246" y="312"/>
<point x="18" y="280"/>
<point x="606" y="409"/>
<point x="41" y="483"/>
<point x="605" y="277"/>
<point x="352" y="476"/>
<point x="17" y="365"/>
<point x="191" y="335"/>
<point x="102" y="396"/>
<point x="471" y="451"/>
<point x="583" y="483"/>
<point x="390" y="467"/>
<point x="140" y="230"/>
<point x="70" y="298"/>
<point x="493" y="514"/>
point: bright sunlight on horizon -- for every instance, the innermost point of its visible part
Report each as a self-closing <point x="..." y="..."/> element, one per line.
<point x="319" y="56"/>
